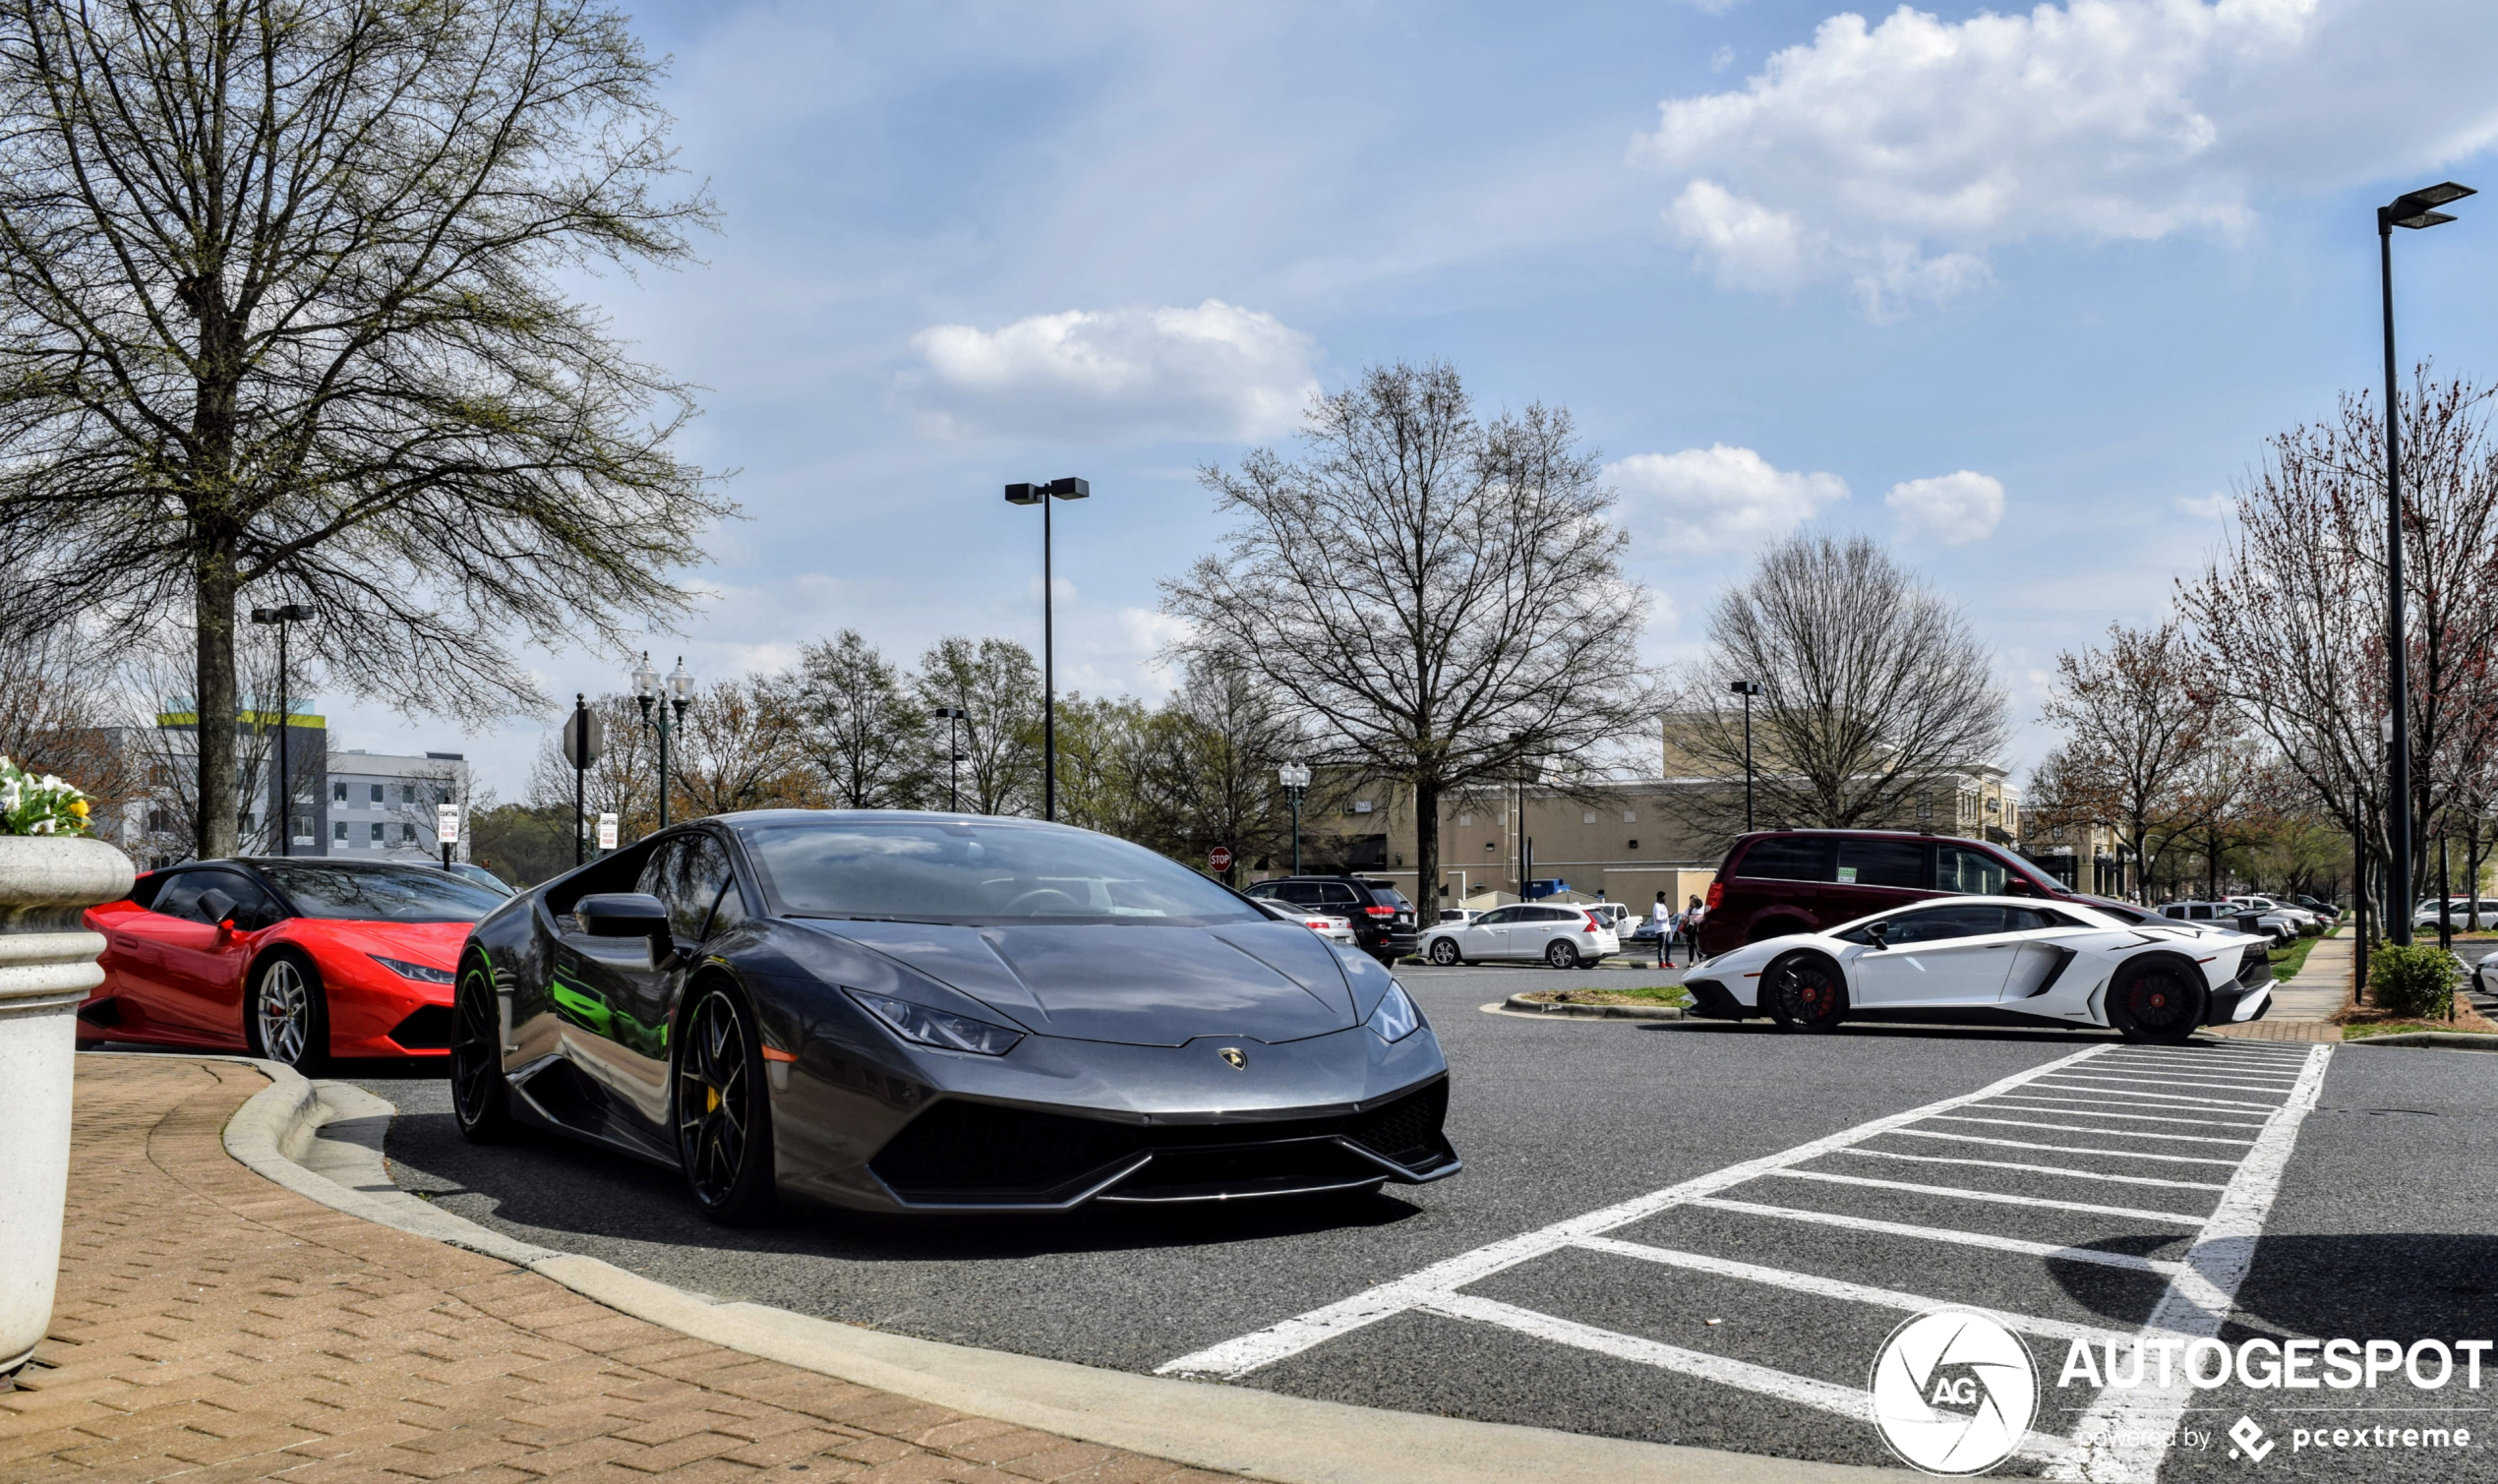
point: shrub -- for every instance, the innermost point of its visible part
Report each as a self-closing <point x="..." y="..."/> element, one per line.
<point x="2416" y="980"/>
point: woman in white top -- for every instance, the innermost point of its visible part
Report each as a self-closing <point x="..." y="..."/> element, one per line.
<point x="1661" y="916"/>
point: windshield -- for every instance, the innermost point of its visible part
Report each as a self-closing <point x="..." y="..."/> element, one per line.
<point x="381" y="894"/>
<point x="979" y="875"/>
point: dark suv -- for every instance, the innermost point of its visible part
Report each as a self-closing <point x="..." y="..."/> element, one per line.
<point x="1383" y="919"/>
<point x="1782" y="882"/>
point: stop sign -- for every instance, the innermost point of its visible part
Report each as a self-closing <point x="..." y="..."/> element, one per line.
<point x="1220" y="857"/>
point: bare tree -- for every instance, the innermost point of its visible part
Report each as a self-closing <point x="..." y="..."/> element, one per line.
<point x="863" y="728"/>
<point x="624" y="782"/>
<point x="2292" y="610"/>
<point x="57" y="716"/>
<point x="1438" y="595"/>
<point x="2138" y="718"/>
<point x="1873" y="688"/>
<point x="998" y="683"/>
<point x="281" y="313"/>
<point x="1212" y="774"/>
<point x="739" y="748"/>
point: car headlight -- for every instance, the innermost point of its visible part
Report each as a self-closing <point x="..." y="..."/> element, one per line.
<point x="1396" y="1018"/>
<point x="937" y="1028"/>
<point x="421" y="973"/>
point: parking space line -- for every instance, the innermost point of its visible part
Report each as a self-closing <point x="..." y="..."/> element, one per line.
<point x="1994" y="1197"/>
<point x="1845" y="1400"/>
<point x="2201" y="1079"/>
<point x="2164" y="1099"/>
<point x="2207" y="1069"/>
<point x="2122" y="1133"/>
<point x="1988" y="1239"/>
<point x="1263" y="1348"/>
<point x="2126" y="1433"/>
<point x="2095" y="1103"/>
<point x="2063" y="1149"/>
<point x="1831" y="1287"/>
<point x="2036" y="1169"/>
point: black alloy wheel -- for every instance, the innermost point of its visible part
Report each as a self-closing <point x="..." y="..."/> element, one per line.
<point x="1562" y="953"/>
<point x="724" y="1124"/>
<point x="481" y="1100"/>
<point x="1806" y="993"/>
<point x="2161" y="1003"/>
<point x="1444" y="952"/>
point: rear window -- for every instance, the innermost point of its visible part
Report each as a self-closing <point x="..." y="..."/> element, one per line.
<point x="1881" y="863"/>
<point x="1787" y="857"/>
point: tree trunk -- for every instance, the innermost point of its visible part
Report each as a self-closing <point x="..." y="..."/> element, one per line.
<point x="214" y="708"/>
<point x="1426" y="855"/>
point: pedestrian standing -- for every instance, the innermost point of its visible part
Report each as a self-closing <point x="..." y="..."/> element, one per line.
<point x="1661" y="916"/>
<point x="1692" y="930"/>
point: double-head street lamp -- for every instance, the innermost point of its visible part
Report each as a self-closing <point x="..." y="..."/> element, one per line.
<point x="2415" y="209"/>
<point x="680" y="693"/>
<point x="1295" y="778"/>
<point x="1748" y="689"/>
<point x="1070" y="488"/>
<point x="291" y="612"/>
<point x="954" y="754"/>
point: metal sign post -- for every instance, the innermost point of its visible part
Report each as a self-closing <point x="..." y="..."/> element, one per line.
<point x="584" y="738"/>
<point x="606" y="833"/>
<point x="446" y="829"/>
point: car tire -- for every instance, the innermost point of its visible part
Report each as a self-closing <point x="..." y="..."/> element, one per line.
<point x="1444" y="952"/>
<point x="722" y="1114"/>
<point x="481" y="1099"/>
<point x="285" y="1015"/>
<point x="2157" y="1001"/>
<point x="1562" y="953"/>
<point x="1589" y="962"/>
<point x="1805" y="992"/>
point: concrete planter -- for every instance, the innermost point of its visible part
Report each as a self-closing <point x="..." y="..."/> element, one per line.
<point x="47" y="965"/>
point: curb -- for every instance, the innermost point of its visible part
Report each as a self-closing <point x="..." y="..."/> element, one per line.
<point x="2446" y="1040"/>
<point x="1242" y="1430"/>
<point x="1521" y="1004"/>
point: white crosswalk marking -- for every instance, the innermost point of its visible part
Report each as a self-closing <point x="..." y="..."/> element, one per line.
<point x="2100" y="1087"/>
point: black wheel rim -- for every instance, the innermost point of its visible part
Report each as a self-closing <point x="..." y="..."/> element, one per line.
<point x="713" y="1097"/>
<point x="476" y="1049"/>
<point x="1807" y="995"/>
<point x="2157" y="1003"/>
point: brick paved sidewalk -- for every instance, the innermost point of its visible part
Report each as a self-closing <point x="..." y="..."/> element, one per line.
<point x="214" y="1327"/>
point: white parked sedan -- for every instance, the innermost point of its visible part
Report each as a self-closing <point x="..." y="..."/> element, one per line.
<point x="2459" y="911"/>
<point x="1565" y="937"/>
<point x="1992" y="959"/>
<point x="1335" y="930"/>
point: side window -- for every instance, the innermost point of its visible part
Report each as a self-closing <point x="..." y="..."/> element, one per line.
<point x="1788" y="857"/>
<point x="2173" y="910"/>
<point x="2034" y="919"/>
<point x="1498" y="916"/>
<point x="709" y="891"/>
<point x="1943" y="923"/>
<point x="144" y="891"/>
<point x="182" y="899"/>
<point x="687" y="875"/>
<point x="1298" y="893"/>
<point x="1881" y="863"/>
<point x="1967" y="870"/>
<point x="179" y="894"/>
<point x="1340" y="895"/>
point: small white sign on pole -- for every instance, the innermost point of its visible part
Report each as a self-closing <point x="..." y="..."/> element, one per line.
<point x="447" y="823"/>
<point x="607" y="832"/>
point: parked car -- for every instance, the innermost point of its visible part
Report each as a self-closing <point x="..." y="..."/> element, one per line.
<point x="2325" y="911"/>
<point x="2275" y="925"/>
<point x="1383" y="919"/>
<point x="1993" y="958"/>
<point x="1461" y="914"/>
<point x="1565" y="937"/>
<point x="896" y="1011"/>
<point x="1335" y="930"/>
<point x="2300" y="918"/>
<point x="1776" y="882"/>
<point x="295" y="959"/>
<point x="2460" y="913"/>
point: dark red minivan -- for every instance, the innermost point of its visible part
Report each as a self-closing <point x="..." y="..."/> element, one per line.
<point x="1782" y="882"/>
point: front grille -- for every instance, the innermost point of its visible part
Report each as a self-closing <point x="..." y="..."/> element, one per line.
<point x="427" y="1030"/>
<point x="976" y="1153"/>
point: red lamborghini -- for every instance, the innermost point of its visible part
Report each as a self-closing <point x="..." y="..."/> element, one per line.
<point x="295" y="959"/>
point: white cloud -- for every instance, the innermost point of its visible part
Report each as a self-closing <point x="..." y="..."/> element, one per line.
<point x="1893" y="156"/>
<point x="1717" y="498"/>
<point x="1216" y="370"/>
<point x="1952" y="508"/>
<point x="2210" y="506"/>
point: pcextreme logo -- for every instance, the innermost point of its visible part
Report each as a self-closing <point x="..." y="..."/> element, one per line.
<point x="1953" y="1391"/>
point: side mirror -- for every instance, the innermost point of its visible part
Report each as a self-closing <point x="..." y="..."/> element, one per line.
<point x="1879" y="932"/>
<point x="620" y="915"/>
<point x="216" y="907"/>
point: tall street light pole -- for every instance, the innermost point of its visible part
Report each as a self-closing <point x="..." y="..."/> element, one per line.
<point x="680" y="694"/>
<point x="2415" y="209"/>
<point x="953" y="755"/>
<point x="1040" y="494"/>
<point x="1748" y="689"/>
<point x="291" y="612"/>
<point x="1296" y="777"/>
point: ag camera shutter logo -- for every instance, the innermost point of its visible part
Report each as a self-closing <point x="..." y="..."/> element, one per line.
<point x="1953" y="1391"/>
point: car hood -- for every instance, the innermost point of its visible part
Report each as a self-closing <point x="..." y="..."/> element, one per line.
<point x="1137" y="985"/>
<point x="436" y="945"/>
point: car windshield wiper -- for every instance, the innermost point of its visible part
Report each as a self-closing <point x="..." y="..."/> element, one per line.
<point x="866" y="917"/>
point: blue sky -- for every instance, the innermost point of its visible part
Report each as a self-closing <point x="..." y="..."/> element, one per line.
<point x="2017" y="291"/>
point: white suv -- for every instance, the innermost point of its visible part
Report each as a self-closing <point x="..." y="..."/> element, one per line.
<point x="1565" y="937"/>
<point x="2275" y="924"/>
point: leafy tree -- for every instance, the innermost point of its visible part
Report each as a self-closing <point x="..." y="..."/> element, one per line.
<point x="1437" y="595"/>
<point x="2139" y="719"/>
<point x="282" y="319"/>
<point x="864" y="729"/>
<point x="998" y="683"/>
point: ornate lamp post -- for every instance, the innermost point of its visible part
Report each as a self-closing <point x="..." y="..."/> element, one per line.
<point x="1295" y="778"/>
<point x="680" y="693"/>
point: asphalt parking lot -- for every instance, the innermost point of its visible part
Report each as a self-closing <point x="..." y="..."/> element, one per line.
<point x="1697" y="1233"/>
